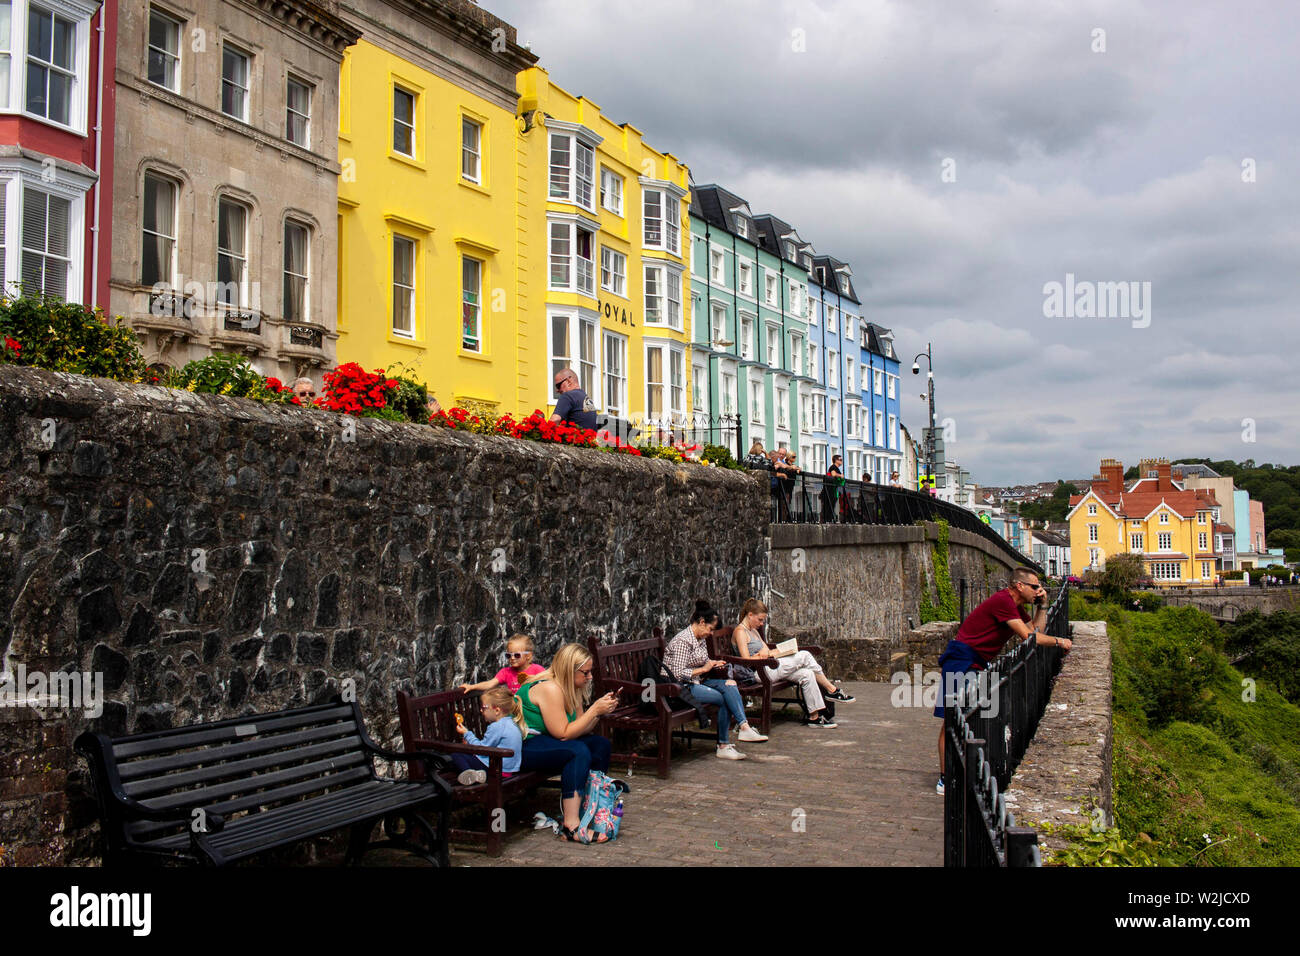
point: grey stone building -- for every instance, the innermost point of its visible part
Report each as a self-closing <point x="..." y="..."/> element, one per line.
<point x="226" y="180"/>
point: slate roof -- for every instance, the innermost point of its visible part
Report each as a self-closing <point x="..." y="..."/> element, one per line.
<point x="837" y="280"/>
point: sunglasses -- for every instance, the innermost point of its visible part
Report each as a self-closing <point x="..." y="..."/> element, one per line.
<point x="515" y="655"/>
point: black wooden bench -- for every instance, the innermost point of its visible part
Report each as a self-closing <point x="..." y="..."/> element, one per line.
<point x="429" y="724"/>
<point x="224" y="791"/>
<point x="617" y="667"/>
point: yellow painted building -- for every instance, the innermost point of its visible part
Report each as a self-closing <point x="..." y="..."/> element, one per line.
<point x="603" y="285"/>
<point x="430" y="231"/>
<point x="1171" y="528"/>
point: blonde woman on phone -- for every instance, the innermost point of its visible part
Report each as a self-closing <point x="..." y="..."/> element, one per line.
<point x="560" y="730"/>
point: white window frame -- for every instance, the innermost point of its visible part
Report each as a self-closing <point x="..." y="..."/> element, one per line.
<point x="658" y="275"/>
<point x="1164" y="517"/>
<point x="176" y="59"/>
<point x="611" y="191"/>
<point x="819" y="413"/>
<point x="783" y="408"/>
<point x="878" y="381"/>
<point x="1202" y="540"/>
<point x="290" y="113"/>
<point x="832" y="369"/>
<point x="574" y="181"/>
<point x="833" y="415"/>
<point x="796" y="353"/>
<point x="240" y="256"/>
<point x="718" y="266"/>
<point x="757" y="400"/>
<point x="717" y="323"/>
<point x="831" y="316"/>
<point x="1136" y="542"/>
<point x="400" y="289"/>
<point x="772" y="351"/>
<point x="171" y="279"/>
<point x="729" y="396"/>
<point x="77" y="73"/>
<point x="879" y="433"/>
<point x="745" y="278"/>
<point x="891" y="386"/>
<point x="672" y="391"/>
<point x="893" y="432"/>
<point x="1093" y="533"/>
<point x="614" y="374"/>
<point x="613" y="264"/>
<point x="661" y="218"/>
<point x="579" y="272"/>
<point x="1092" y="509"/>
<point x="748" y="337"/>
<point x="304" y="276"/>
<point x="409" y="127"/>
<point x="848" y="373"/>
<point x="770" y="288"/>
<point x="1165" y="541"/>
<point x="473" y="302"/>
<point x="471" y="153"/>
<point x="15" y="219"/>
<point x="240" y="52"/>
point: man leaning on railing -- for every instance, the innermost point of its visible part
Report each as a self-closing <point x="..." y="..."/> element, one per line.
<point x="986" y="631"/>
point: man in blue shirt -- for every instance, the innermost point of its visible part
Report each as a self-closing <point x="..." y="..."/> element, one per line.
<point x="573" y="405"/>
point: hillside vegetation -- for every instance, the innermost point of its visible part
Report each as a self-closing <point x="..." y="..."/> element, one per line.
<point x="1207" y="757"/>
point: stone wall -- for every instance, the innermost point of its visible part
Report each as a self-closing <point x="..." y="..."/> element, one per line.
<point x="211" y="557"/>
<point x="856" y="589"/>
<point x="1066" y="772"/>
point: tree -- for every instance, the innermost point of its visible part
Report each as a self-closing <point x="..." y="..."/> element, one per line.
<point x="1131" y="474"/>
<point x="1122" y="574"/>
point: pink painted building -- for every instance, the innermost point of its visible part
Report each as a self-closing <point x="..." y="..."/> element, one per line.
<point x="57" y="59"/>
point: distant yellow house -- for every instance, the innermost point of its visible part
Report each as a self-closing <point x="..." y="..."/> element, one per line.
<point x="1170" y="528"/>
<point x="602" y="237"/>
<point x="430" y="227"/>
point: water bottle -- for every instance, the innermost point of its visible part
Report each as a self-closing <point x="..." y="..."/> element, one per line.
<point x="618" y="808"/>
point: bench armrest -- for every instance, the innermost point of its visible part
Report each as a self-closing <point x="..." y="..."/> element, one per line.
<point x="636" y="687"/>
<point x="753" y="663"/>
<point x="457" y="747"/>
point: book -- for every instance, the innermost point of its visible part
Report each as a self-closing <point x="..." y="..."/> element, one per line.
<point x="786" y="648"/>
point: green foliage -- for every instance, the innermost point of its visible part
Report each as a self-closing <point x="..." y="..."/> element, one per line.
<point x="1149" y="602"/>
<point x="225" y="374"/>
<point x="1053" y="508"/>
<point x="1268" y="648"/>
<point x="1276" y="486"/>
<point x="1102" y="847"/>
<point x="411" y="401"/>
<point x="66" y="337"/>
<point x="720" y="456"/>
<point x="1121" y="575"/>
<point x="1219" y="789"/>
<point x="946" y="609"/>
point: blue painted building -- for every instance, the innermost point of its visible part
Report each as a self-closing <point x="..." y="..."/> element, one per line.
<point x="882" y="403"/>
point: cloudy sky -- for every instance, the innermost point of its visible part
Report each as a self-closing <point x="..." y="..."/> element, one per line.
<point x="961" y="155"/>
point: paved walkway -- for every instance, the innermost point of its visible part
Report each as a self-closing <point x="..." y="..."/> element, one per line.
<point x="859" y="795"/>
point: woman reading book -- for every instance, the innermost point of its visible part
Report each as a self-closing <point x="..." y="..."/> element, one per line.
<point x="799" y="666"/>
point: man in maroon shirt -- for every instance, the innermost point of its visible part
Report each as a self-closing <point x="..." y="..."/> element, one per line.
<point x="986" y="631"/>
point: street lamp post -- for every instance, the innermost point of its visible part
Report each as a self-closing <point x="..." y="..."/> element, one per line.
<point x="929" y="439"/>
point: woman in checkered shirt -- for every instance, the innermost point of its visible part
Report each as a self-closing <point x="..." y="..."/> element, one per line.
<point x="687" y="658"/>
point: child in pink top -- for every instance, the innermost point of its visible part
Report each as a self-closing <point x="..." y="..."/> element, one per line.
<point x="519" y="666"/>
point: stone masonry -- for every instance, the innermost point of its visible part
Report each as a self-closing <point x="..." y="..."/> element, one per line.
<point x="212" y="557"/>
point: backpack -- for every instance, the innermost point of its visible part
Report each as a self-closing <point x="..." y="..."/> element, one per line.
<point x="599" y="802"/>
<point x="653" y="670"/>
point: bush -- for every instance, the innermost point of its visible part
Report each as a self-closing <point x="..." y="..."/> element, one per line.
<point x="224" y="374"/>
<point x="720" y="457"/>
<point x="1123" y="572"/>
<point x="1172" y="662"/>
<point x="66" y="337"/>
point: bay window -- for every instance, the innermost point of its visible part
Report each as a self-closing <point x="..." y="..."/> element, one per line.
<point x="662" y="220"/>
<point x="572" y="170"/>
<point x="663" y="296"/>
<point x="571" y="252"/>
<point x="616" y="374"/>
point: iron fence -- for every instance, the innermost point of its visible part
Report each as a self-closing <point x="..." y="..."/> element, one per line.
<point x="988" y="724"/>
<point x="806" y="498"/>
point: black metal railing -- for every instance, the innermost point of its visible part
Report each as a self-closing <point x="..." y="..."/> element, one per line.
<point x="988" y="724"/>
<point x="806" y="498"/>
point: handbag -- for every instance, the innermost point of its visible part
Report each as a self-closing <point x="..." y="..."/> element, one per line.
<point x="602" y="805"/>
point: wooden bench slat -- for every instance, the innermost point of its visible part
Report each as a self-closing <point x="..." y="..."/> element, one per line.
<point x="357" y="775"/>
<point x="135" y="769"/>
<point x="161" y="783"/>
<point x="209" y="734"/>
<point x="208" y="796"/>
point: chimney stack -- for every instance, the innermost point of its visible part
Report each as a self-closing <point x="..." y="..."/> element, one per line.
<point x="1112" y="476"/>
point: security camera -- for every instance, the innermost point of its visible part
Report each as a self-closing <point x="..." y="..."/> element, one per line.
<point x="916" y="368"/>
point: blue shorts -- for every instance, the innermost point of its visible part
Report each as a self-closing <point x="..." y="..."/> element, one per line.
<point x="957" y="658"/>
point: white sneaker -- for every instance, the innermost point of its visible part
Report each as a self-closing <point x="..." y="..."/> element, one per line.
<point x="469" y="778"/>
<point x="749" y="735"/>
<point x="729" y="752"/>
